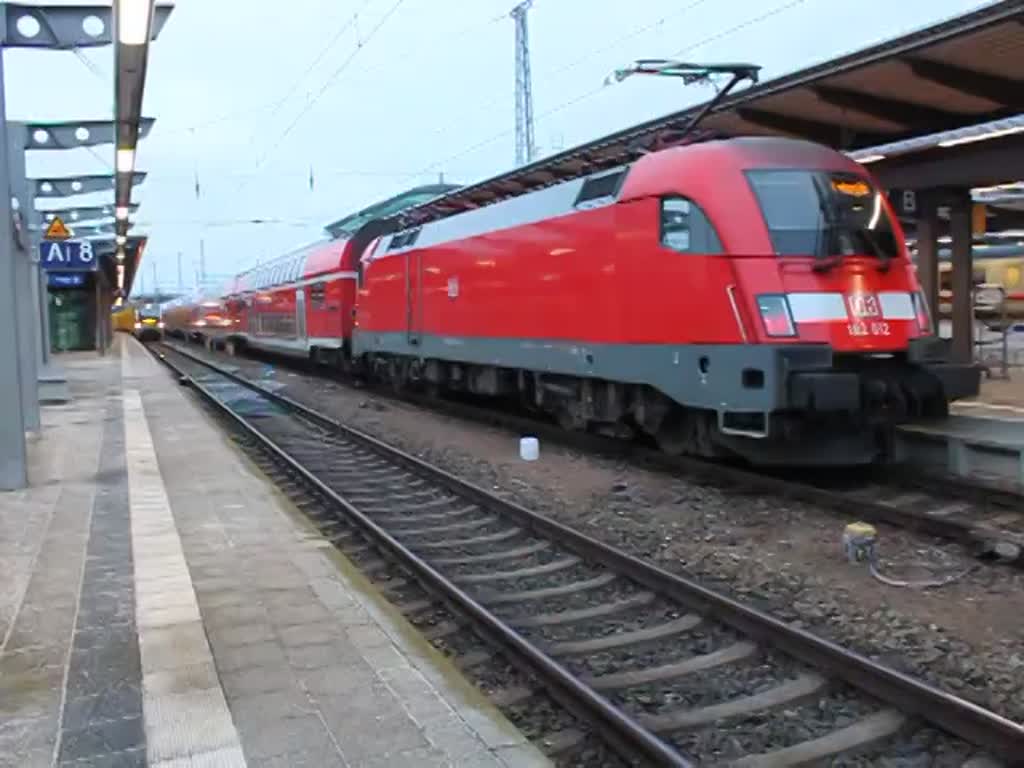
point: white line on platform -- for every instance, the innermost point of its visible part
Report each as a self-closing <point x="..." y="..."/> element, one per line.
<point x="989" y="407"/>
<point x="187" y="720"/>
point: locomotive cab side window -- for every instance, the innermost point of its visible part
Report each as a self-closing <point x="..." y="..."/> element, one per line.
<point x="685" y="228"/>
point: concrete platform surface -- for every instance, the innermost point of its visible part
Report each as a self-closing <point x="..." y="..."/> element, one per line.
<point x="981" y="442"/>
<point x="163" y="605"/>
<point x="1003" y="432"/>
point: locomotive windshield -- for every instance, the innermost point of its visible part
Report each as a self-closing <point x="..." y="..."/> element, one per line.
<point x="823" y="214"/>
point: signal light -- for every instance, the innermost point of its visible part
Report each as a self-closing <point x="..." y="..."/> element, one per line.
<point x="924" y="319"/>
<point x="775" y="315"/>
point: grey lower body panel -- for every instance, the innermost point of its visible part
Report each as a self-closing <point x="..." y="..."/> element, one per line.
<point x="774" y="404"/>
<point x="720" y="377"/>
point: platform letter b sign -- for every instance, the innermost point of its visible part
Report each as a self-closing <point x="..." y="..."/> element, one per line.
<point x="909" y="201"/>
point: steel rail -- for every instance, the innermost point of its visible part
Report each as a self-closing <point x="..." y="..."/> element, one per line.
<point x="973" y="723"/>
<point x="626" y="734"/>
<point x="872" y="510"/>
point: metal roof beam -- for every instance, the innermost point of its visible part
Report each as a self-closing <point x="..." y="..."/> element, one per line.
<point x="65" y="27"/>
<point x="831" y="134"/>
<point x="82" y="213"/>
<point x="906" y="113"/>
<point x="1001" y="90"/>
<point x="70" y="134"/>
<point x="997" y="161"/>
<point x="131" y="56"/>
<point x="67" y="186"/>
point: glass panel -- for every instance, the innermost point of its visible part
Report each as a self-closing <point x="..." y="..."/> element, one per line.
<point x="823" y="214"/>
<point x="685" y="228"/>
<point x="675" y="224"/>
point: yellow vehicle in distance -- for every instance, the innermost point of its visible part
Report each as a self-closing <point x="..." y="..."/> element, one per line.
<point x="148" y="326"/>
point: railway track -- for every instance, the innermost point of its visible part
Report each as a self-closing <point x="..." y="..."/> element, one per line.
<point x="665" y="671"/>
<point x="988" y="521"/>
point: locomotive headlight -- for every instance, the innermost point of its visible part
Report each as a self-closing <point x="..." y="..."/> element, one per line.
<point x="138" y="325"/>
<point x="924" y="319"/>
<point x="775" y="315"/>
<point x="160" y="325"/>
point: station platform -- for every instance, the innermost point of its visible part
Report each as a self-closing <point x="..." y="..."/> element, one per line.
<point x="161" y="604"/>
<point x="983" y="438"/>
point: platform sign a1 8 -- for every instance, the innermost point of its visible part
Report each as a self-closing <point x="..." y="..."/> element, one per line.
<point x="67" y="256"/>
<point x="58" y="252"/>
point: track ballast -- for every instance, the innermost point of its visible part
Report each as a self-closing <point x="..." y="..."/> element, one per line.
<point x="666" y="671"/>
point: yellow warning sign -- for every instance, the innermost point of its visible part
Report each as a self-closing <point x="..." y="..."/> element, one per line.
<point x="57" y="230"/>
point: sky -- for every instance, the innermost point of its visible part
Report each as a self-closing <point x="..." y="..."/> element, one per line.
<point x="252" y="98"/>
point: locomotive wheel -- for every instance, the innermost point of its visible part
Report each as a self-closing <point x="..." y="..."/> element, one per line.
<point x="687" y="432"/>
<point x="569" y="420"/>
<point x="675" y="433"/>
<point x="673" y="442"/>
<point x="397" y="376"/>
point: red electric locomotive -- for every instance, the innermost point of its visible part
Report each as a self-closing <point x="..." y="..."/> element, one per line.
<point x="749" y="297"/>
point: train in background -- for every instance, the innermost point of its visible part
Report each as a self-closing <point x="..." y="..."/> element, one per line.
<point x="199" y="317"/>
<point x="145" y="321"/>
<point x="994" y="265"/>
<point x="123" y="318"/>
<point x="149" y="324"/>
<point x="747" y="297"/>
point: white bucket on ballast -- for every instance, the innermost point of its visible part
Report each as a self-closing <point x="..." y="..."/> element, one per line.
<point x="529" y="448"/>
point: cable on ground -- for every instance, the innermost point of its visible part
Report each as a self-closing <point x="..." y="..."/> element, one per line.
<point x="860" y="544"/>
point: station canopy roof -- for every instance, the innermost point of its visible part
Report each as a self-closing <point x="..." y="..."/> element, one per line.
<point x="950" y="76"/>
<point x="349" y="225"/>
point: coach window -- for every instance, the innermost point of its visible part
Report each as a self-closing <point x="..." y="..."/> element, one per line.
<point x="685" y="228"/>
<point x="318" y="293"/>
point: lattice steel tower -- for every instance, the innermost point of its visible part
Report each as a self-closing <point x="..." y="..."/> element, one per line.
<point x="524" y="91"/>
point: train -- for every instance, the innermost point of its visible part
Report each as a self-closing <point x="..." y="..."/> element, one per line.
<point x="144" y="322"/>
<point x="122" y="318"/>
<point x="999" y="265"/>
<point x="748" y="298"/>
<point x="149" y="323"/>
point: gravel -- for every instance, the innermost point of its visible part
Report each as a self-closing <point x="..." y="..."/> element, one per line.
<point x="713" y="686"/>
<point x="776" y="554"/>
<point x="610" y="593"/>
<point x="651" y="614"/>
<point x="652" y="654"/>
<point x="519" y="563"/>
<point x="924" y="748"/>
<point x="769" y="731"/>
<point x="497" y="526"/>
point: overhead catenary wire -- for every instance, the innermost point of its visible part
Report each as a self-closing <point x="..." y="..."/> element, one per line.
<point x="594" y="91"/>
<point x="422" y="44"/>
<point x="310" y="103"/>
<point x="425" y="171"/>
<point x="349" y="23"/>
<point x="552" y="71"/>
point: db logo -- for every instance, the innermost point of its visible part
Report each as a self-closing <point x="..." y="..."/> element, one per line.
<point x="863" y="305"/>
